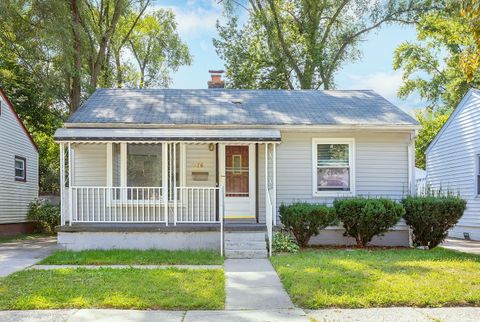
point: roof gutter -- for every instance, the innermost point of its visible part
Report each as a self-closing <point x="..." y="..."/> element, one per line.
<point x="373" y="127"/>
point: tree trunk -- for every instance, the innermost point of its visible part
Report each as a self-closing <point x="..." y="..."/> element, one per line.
<point x="75" y="86"/>
<point x="119" y="70"/>
<point x="100" y="57"/>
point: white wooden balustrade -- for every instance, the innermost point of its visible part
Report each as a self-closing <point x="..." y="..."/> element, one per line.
<point x="144" y="205"/>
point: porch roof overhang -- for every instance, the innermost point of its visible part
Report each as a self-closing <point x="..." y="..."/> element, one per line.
<point x="171" y="134"/>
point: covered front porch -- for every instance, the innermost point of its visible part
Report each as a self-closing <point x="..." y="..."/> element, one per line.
<point x="171" y="177"/>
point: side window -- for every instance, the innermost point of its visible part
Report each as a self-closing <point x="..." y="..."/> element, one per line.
<point x="20" y="169"/>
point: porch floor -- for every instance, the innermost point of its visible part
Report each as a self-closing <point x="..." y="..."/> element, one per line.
<point x="139" y="227"/>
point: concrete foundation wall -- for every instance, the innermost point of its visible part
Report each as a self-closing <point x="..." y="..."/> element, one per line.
<point x="139" y="240"/>
<point x="334" y="237"/>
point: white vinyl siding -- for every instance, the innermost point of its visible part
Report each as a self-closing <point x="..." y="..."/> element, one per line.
<point x="381" y="165"/>
<point x="15" y="196"/>
<point x="452" y="162"/>
<point x="90" y="165"/>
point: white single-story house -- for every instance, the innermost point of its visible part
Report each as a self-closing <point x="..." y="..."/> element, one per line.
<point x="209" y="168"/>
<point x="18" y="171"/>
<point x="453" y="162"/>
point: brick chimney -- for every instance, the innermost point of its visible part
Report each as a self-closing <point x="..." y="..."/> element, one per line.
<point x="216" y="81"/>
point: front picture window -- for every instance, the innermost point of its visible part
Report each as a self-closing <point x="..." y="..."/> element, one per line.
<point x="144" y="165"/>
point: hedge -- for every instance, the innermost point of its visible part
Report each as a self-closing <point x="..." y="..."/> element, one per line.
<point x="430" y="217"/>
<point x="364" y="218"/>
<point x="304" y="220"/>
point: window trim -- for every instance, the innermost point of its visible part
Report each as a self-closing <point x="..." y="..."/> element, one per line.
<point x="24" y="160"/>
<point x="351" y="162"/>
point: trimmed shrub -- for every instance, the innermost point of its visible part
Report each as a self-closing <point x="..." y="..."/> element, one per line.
<point x="45" y="215"/>
<point x="430" y="217"/>
<point x="283" y="243"/>
<point x="364" y="218"/>
<point x="304" y="220"/>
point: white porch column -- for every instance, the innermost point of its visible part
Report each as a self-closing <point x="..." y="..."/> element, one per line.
<point x="165" y="179"/>
<point x="174" y="185"/>
<point x="70" y="184"/>
<point x="274" y="183"/>
<point x="62" y="185"/>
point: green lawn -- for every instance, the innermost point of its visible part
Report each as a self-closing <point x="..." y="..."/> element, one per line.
<point x="134" y="257"/>
<point x="380" y="278"/>
<point x="171" y="289"/>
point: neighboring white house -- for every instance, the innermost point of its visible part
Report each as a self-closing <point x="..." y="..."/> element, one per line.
<point x="163" y="168"/>
<point x="18" y="170"/>
<point x="453" y="160"/>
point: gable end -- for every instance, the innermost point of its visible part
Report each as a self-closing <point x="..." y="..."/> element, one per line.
<point x="10" y="105"/>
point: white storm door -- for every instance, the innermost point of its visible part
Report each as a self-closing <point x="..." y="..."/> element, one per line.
<point x="237" y="175"/>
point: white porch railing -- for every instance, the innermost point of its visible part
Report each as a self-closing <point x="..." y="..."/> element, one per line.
<point x="117" y="205"/>
<point x="143" y="205"/>
<point x="198" y="205"/>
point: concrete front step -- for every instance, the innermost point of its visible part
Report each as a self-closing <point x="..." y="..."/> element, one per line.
<point x="245" y="244"/>
<point x="244" y="253"/>
<point x="252" y="236"/>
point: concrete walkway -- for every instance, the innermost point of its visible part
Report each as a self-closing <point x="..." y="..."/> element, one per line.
<point x="18" y="255"/>
<point x="253" y="284"/>
<point x="462" y="245"/>
<point x="402" y="314"/>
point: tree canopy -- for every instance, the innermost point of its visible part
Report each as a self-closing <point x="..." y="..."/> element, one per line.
<point x="432" y="65"/>
<point x="302" y="43"/>
<point x="55" y="53"/>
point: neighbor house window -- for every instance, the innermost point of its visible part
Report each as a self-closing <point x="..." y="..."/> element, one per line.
<point x="333" y="166"/>
<point x="20" y="169"/>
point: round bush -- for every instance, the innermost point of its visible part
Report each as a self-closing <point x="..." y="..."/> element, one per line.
<point x="304" y="220"/>
<point x="364" y="218"/>
<point x="430" y="217"/>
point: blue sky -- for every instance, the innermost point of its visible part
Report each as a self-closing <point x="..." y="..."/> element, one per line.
<point x="196" y="24"/>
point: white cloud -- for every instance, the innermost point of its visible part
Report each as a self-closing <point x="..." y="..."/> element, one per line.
<point x="386" y="84"/>
<point x="196" y="18"/>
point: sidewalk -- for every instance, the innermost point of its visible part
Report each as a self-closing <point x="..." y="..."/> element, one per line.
<point x="404" y="314"/>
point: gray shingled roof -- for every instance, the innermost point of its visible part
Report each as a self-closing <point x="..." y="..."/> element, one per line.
<point x="239" y="107"/>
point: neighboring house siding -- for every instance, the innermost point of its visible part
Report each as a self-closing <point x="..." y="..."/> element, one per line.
<point x="451" y="163"/>
<point x="381" y="165"/>
<point x="90" y="165"/>
<point x="15" y="196"/>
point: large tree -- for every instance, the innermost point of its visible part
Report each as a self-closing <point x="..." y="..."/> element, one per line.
<point x="302" y="43"/>
<point x="157" y="48"/>
<point x="431" y="66"/>
<point x="55" y="53"/>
